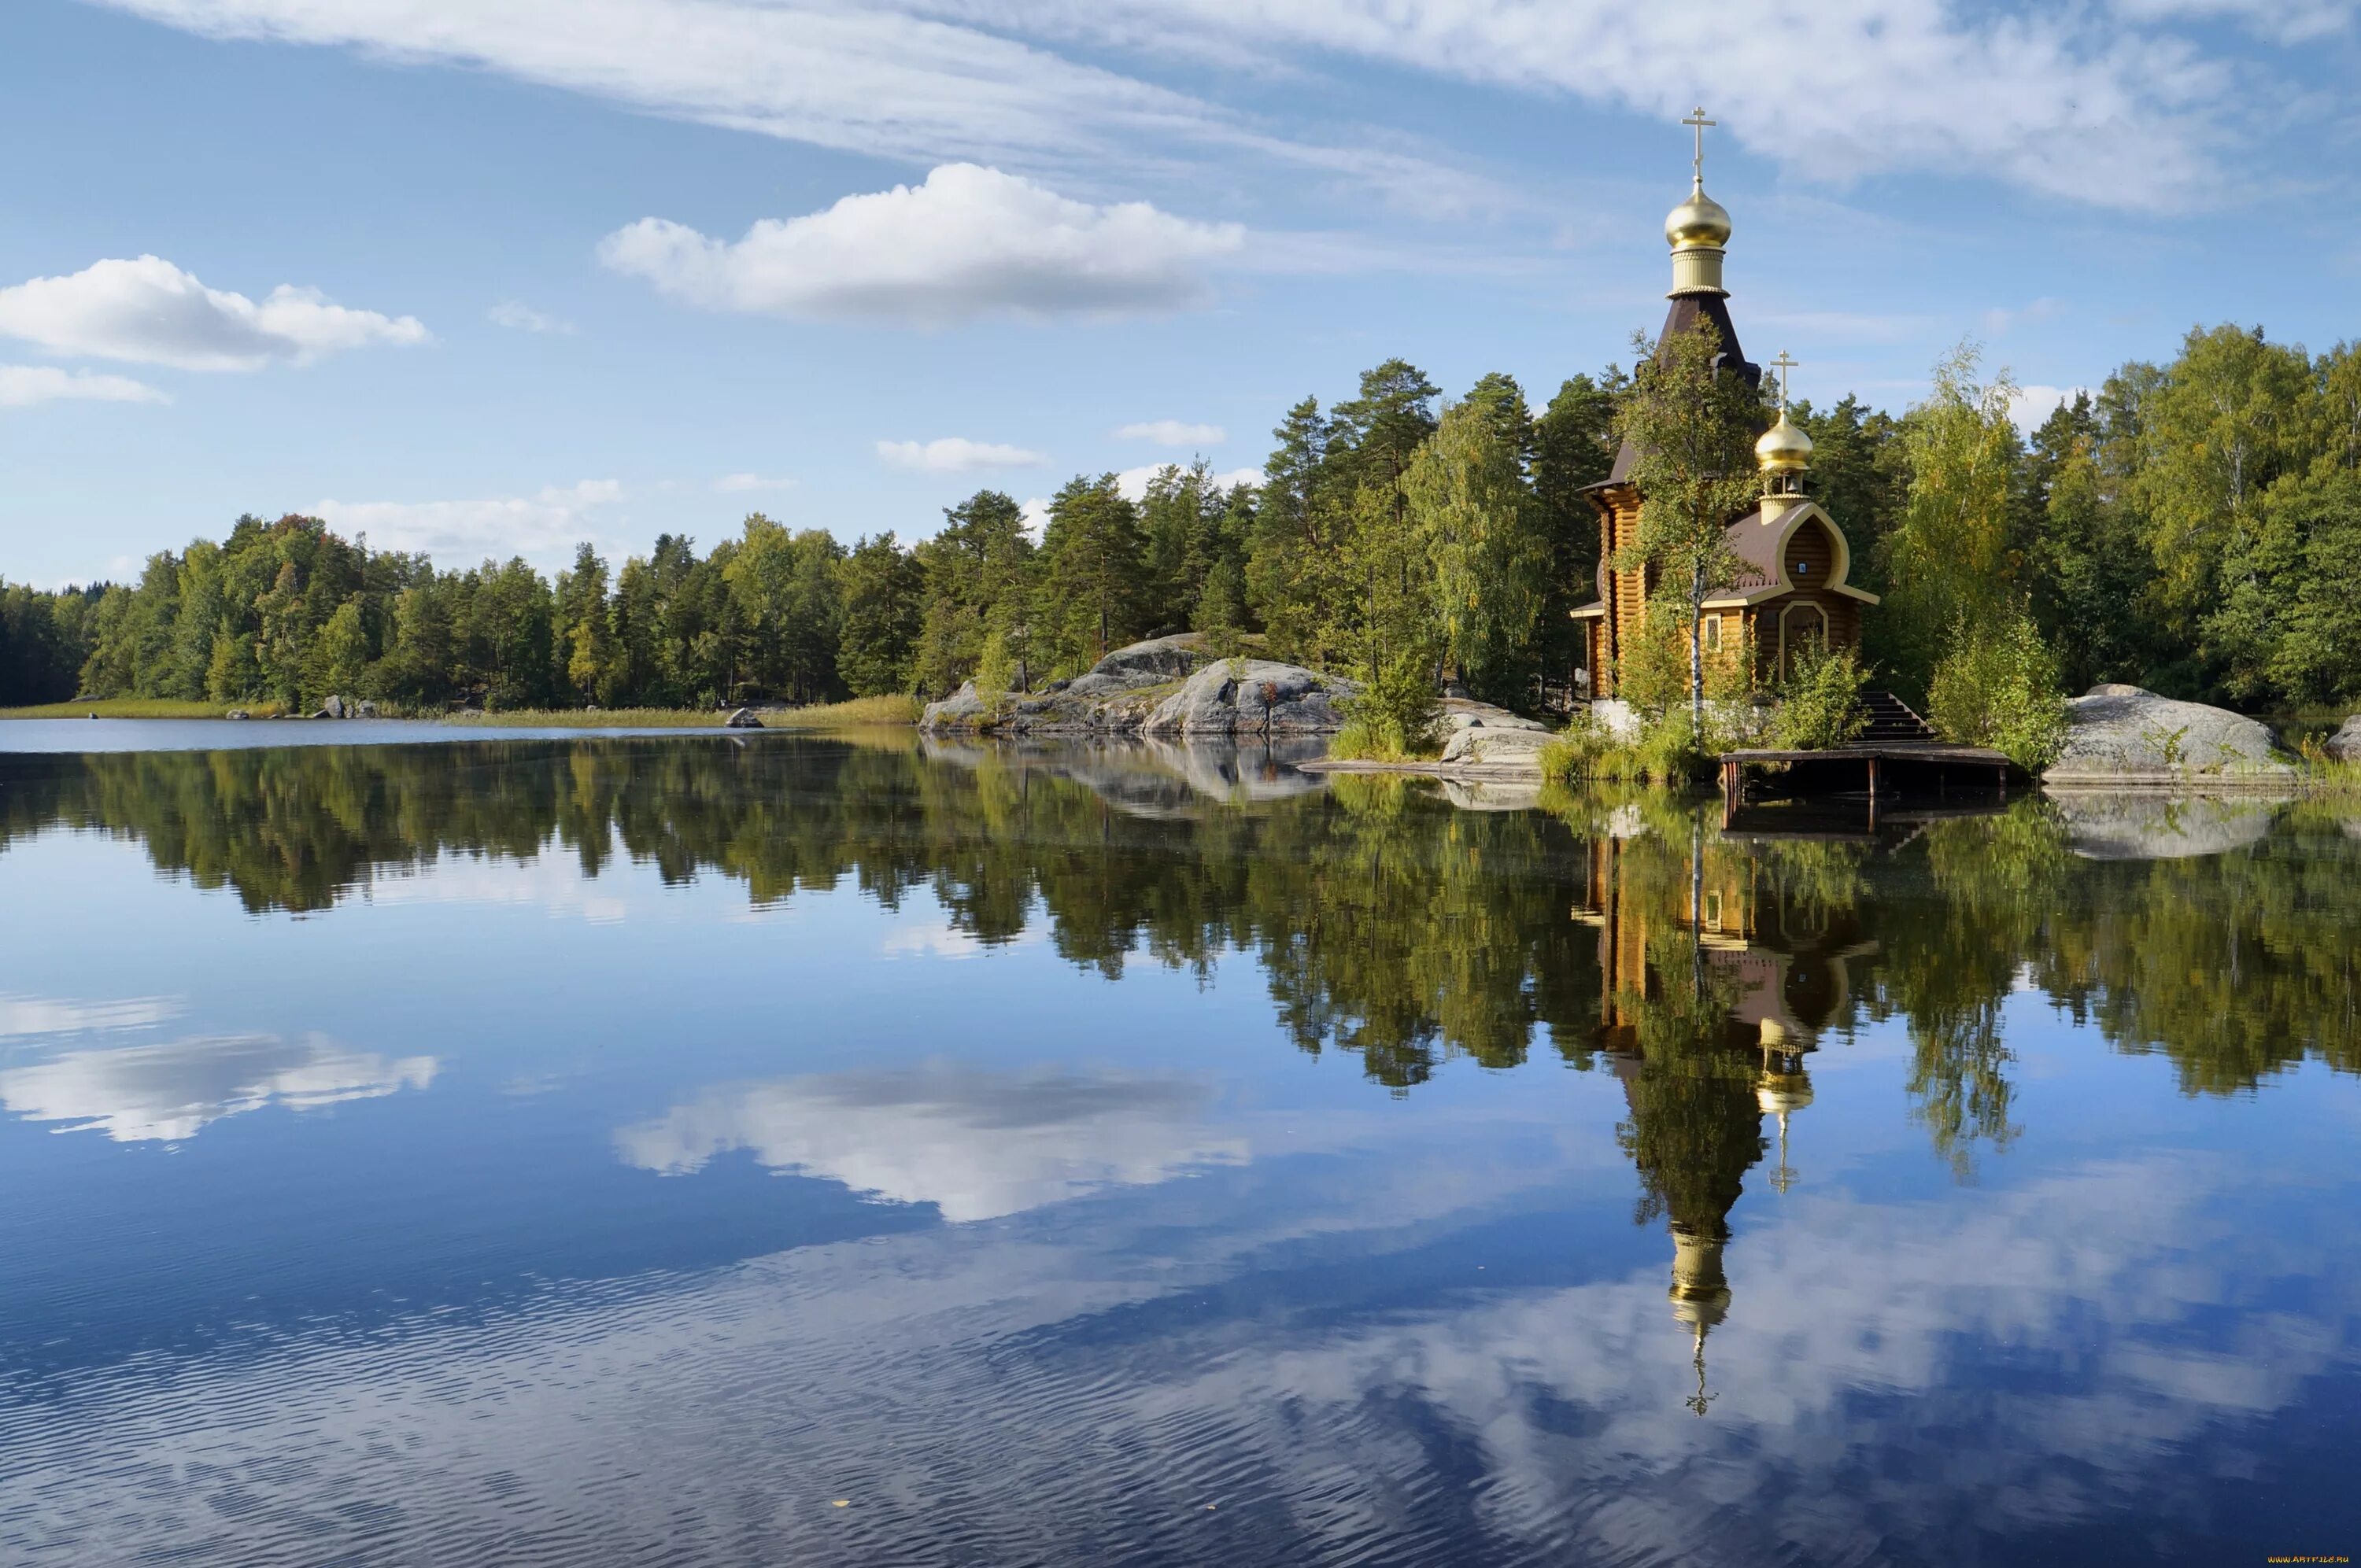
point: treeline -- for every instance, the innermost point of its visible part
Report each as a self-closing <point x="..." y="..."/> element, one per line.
<point x="2194" y="528"/>
<point x="1383" y="526"/>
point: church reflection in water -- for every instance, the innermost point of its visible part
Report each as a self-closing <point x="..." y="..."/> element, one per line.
<point x="1717" y="980"/>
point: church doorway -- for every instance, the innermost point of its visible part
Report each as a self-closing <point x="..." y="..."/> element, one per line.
<point x="1803" y="630"/>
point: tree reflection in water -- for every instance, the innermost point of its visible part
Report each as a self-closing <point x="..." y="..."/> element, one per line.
<point x="1704" y="968"/>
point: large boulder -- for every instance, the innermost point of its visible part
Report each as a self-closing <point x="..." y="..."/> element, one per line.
<point x="1483" y="746"/>
<point x="2345" y="744"/>
<point x="1253" y="696"/>
<point x="2120" y="734"/>
<point x="1153" y="662"/>
<point x="961" y="710"/>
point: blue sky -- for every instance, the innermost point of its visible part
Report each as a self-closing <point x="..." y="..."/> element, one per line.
<point x="487" y="277"/>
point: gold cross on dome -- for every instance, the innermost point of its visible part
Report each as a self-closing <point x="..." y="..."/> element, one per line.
<point x="1697" y="118"/>
<point x="1783" y="365"/>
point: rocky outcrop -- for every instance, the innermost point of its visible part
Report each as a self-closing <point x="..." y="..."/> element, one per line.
<point x="2121" y="734"/>
<point x="2345" y="744"/>
<point x="1252" y="696"/>
<point x="743" y="719"/>
<point x="1167" y="687"/>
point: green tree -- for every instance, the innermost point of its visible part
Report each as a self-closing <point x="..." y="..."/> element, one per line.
<point x="884" y="587"/>
<point x="1092" y="554"/>
<point x="1572" y="449"/>
<point x="1690" y="422"/>
<point x="1482" y="531"/>
<point x="583" y="628"/>
<point x="1947" y="561"/>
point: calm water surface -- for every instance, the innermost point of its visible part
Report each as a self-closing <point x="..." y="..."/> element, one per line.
<point x="710" y="1150"/>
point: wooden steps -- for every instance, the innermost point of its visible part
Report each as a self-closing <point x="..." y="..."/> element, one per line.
<point x="1891" y="720"/>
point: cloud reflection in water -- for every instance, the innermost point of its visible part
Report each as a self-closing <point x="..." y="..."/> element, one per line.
<point x="976" y="1142"/>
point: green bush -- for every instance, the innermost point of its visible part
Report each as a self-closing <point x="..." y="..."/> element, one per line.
<point x="1395" y="718"/>
<point x="1665" y="754"/>
<point x="1997" y="685"/>
<point x="1820" y="703"/>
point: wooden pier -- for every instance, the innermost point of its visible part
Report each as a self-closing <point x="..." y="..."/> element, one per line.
<point x="1969" y="766"/>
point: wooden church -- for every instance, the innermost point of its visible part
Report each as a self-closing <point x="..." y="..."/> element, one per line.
<point x="1791" y="590"/>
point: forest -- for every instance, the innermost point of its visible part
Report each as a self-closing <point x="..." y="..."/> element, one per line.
<point x="2193" y="527"/>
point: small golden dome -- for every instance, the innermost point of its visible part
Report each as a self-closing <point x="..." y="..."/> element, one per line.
<point x="1778" y="1092"/>
<point x="1784" y="449"/>
<point x="1700" y="220"/>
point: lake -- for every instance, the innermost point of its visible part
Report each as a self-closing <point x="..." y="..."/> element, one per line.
<point x="729" y="1149"/>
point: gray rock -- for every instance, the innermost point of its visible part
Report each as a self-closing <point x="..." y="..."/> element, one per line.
<point x="1153" y="661"/>
<point x="331" y="707"/>
<point x="364" y="710"/>
<point x="238" y="713"/>
<point x="1112" y="698"/>
<point x="1253" y="696"/>
<point x="1483" y="746"/>
<point x="2123" y="734"/>
<point x="2345" y="744"/>
<point x="1466" y="713"/>
<point x="2112" y="826"/>
<point x="960" y="710"/>
<point x="743" y="719"/>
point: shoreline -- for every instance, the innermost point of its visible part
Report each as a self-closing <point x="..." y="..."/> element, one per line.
<point x="865" y="713"/>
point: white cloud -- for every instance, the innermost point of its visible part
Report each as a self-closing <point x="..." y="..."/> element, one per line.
<point x="2064" y="101"/>
<point x="520" y="317"/>
<point x="2031" y="405"/>
<point x="1172" y="433"/>
<point x="880" y="80"/>
<point x="151" y="312"/>
<point x="21" y="385"/>
<point x="2001" y="318"/>
<point x="969" y="242"/>
<point x="1035" y="513"/>
<point x="1133" y="482"/>
<point x="976" y="1144"/>
<point x="957" y="455"/>
<point x="2282" y="21"/>
<point x="2095" y="103"/>
<point x="498" y="527"/>
<point x="47" y="1015"/>
<point x="740" y="484"/>
<point x="171" y="1091"/>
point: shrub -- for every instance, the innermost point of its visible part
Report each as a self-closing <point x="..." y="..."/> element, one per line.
<point x="1996" y="686"/>
<point x="1394" y="719"/>
<point x="1820" y="703"/>
<point x="1665" y="754"/>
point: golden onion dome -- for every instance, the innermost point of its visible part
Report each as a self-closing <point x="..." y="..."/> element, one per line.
<point x="1784" y="449"/>
<point x="1700" y="220"/>
<point x="1778" y="1092"/>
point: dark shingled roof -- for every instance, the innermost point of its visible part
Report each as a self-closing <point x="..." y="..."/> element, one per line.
<point x="1687" y="310"/>
<point x="1756" y="548"/>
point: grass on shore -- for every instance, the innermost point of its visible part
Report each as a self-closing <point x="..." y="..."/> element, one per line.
<point x="1362" y="742"/>
<point x="866" y="710"/>
<point x="138" y="707"/>
<point x="861" y="710"/>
